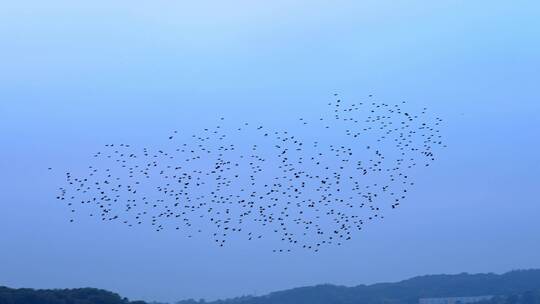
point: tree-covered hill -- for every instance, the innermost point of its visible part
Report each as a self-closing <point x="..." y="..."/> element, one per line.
<point x="63" y="296"/>
<point x="529" y="297"/>
<point x="516" y="287"/>
<point x="404" y="292"/>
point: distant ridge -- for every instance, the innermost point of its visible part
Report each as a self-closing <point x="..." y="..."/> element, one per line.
<point x="515" y="287"/>
<point x="404" y="292"/>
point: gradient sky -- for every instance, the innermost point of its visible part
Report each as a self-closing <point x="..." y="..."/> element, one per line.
<point x="75" y="75"/>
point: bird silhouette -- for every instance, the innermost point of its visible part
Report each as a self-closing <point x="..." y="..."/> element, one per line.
<point x="291" y="186"/>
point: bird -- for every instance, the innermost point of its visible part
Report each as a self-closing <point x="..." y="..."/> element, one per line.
<point x="304" y="191"/>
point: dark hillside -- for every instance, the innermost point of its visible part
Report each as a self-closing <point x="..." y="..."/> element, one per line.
<point x="404" y="292"/>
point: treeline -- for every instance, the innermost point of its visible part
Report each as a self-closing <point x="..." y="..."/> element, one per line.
<point x="529" y="297"/>
<point x="516" y="287"/>
<point x="520" y="284"/>
<point x="61" y="296"/>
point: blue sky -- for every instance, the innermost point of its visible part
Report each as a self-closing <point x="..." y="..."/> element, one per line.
<point x="77" y="75"/>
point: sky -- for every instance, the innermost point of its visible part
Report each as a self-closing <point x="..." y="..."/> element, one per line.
<point x="76" y="75"/>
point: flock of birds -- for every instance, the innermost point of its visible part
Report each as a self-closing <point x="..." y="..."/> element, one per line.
<point x="314" y="187"/>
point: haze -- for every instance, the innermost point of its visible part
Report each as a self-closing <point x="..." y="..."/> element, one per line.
<point x="76" y="76"/>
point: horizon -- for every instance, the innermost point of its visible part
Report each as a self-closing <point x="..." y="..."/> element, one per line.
<point x="79" y="76"/>
<point x="327" y="284"/>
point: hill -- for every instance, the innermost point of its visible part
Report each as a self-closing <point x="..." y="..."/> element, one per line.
<point x="61" y="296"/>
<point x="516" y="287"/>
<point x="404" y="292"/>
